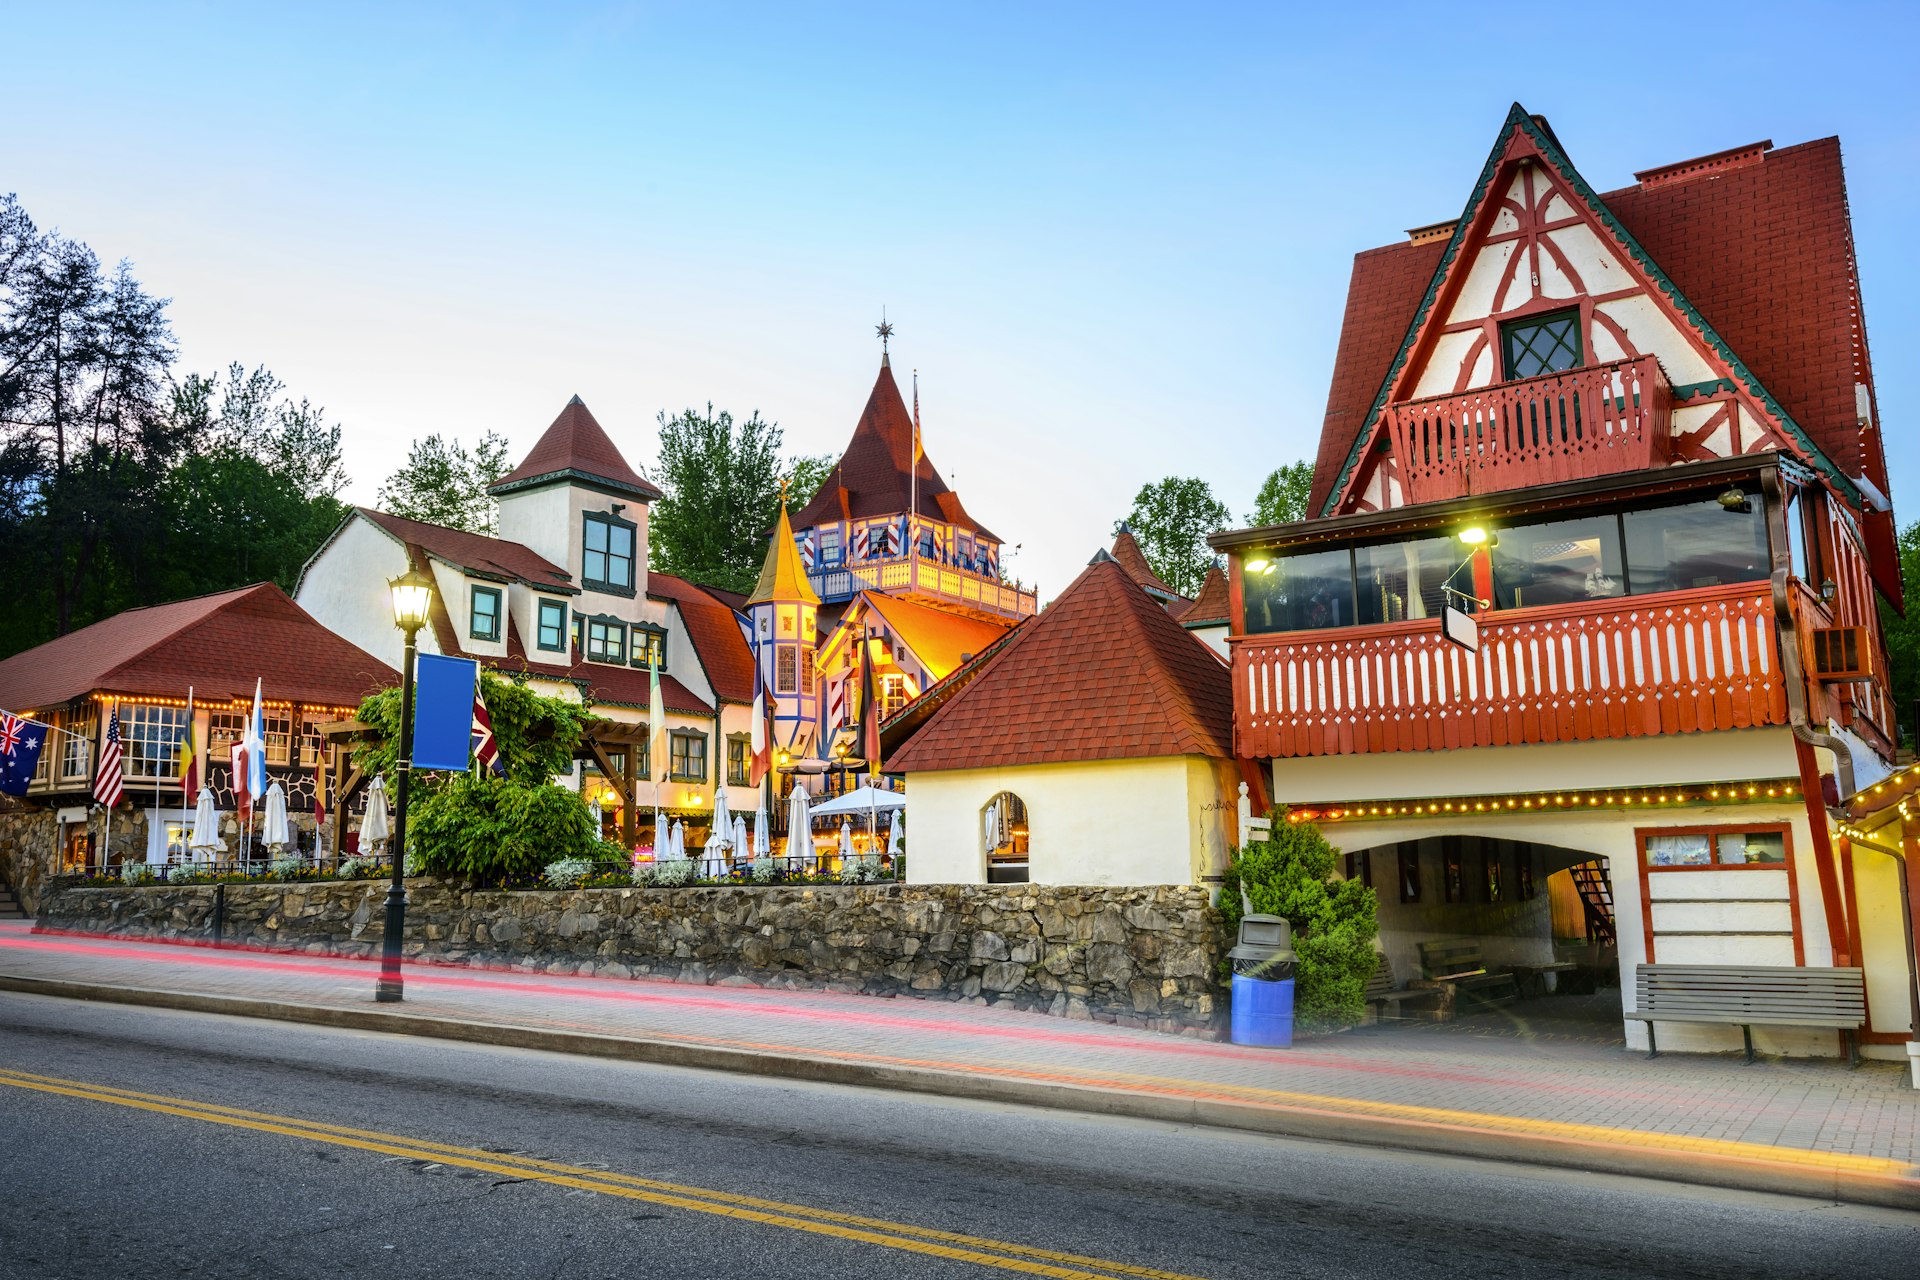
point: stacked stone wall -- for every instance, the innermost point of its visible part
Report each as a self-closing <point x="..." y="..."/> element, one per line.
<point x="1143" y="956"/>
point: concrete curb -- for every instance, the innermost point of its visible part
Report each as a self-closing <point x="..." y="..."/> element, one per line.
<point x="1694" y="1167"/>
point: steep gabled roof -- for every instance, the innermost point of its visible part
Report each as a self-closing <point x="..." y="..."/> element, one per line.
<point x="781" y="575"/>
<point x="575" y="447"/>
<point x="219" y="644"/>
<point x="476" y="553"/>
<point x="1758" y="259"/>
<point x="715" y="630"/>
<point x="1127" y="554"/>
<point x="1211" y="606"/>
<point x="941" y="640"/>
<point x="1102" y="674"/>
<point x="874" y="477"/>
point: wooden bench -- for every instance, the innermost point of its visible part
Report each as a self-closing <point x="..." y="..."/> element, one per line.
<point x="1458" y="969"/>
<point x="1381" y="993"/>
<point x="1751" y="996"/>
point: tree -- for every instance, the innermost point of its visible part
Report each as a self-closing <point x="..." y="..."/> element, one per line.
<point x="446" y="484"/>
<point x="1903" y="634"/>
<point x="493" y="829"/>
<point x="805" y="474"/>
<point x="1171" y="520"/>
<point x="1334" y="922"/>
<point x="1283" y="496"/>
<point x="722" y="486"/>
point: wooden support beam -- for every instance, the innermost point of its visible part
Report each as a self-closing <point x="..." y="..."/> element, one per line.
<point x="629" y="819"/>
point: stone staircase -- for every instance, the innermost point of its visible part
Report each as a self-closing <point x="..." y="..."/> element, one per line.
<point x="10" y="908"/>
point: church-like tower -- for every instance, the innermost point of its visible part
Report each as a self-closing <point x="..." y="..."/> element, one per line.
<point x="784" y="613"/>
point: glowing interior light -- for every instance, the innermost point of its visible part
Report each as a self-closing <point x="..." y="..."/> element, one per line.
<point x="1473" y="535"/>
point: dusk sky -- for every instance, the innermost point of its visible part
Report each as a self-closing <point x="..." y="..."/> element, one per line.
<point x="1114" y="239"/>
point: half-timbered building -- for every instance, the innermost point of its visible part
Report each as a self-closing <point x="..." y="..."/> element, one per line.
<point x="1589" y="593"/>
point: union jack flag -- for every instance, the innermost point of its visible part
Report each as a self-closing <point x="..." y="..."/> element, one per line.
<point x="485" y="749"/>
<point x="108" y="783"/>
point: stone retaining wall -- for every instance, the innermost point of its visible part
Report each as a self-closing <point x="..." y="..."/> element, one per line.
<point x="1138" y="956"/>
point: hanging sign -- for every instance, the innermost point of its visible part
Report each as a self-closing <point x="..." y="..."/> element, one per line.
<point x="443" y="711"/>
<point x="1460" y="627"/>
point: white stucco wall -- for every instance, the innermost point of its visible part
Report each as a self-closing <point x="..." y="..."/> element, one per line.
<point x="1160" y="820"/>
<point x="345" y="588"/>
<point x="548" y="521"/>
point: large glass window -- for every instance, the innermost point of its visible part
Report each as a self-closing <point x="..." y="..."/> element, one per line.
<point x="1717" y="847"/>
<point x="1303" y="592"/>
<point x="1557" y="562"/>
<point x="483" y="618"/>
<point x="608" y="562"/>
<point x="1402" y="580"/>
<point x="1541" y="344"/>
<point x="1803" y="539"/>
<point x="1696" y="544"/>
<point x="786" y="669"/>
<point x="150" y="738"/>
<point x="76" y="746"/>
<point x="553" y="626"/>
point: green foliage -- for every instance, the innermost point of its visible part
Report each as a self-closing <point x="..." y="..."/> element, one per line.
<point x="1283" y="496"/>
<point x="1903" y="634"/>
<point x="493" y="828"/>
<point x="445" y="483"/>
<point x="722" y="485"/>
<point x="1334" y="921"/>
<point x="1171" y="520"/>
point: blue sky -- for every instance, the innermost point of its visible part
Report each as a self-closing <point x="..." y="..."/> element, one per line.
<point x="1115" y="239"/>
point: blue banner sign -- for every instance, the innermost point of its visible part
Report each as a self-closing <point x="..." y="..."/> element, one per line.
<point x="443" y="711"/>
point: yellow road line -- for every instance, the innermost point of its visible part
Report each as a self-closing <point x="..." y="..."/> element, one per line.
<point x="922" y="1240"/>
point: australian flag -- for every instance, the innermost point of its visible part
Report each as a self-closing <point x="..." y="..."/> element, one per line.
<point x="20" y="745"/>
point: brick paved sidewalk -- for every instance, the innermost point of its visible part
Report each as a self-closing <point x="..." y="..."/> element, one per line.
<point x="1808" y="1111"/>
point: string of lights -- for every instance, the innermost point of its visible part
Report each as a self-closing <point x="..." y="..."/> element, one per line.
<point x="1757" y="792"/>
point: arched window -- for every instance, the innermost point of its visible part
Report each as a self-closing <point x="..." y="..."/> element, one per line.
<point x="1003" y="838"/>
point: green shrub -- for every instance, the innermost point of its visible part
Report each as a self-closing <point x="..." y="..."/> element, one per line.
<point x="491" y="828"/>
<point x="1334" y="921"/>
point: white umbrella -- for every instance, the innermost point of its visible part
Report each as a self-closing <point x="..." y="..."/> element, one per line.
<point x="714" y="863"/>
<point x="276" y="834"/>
<point x="799" y="827"/>
<point x="676" y="840"/>
<point x="374" y="827"/>
<point x="206" y="823"/>
<point x="846" y="842"/>
<point x="893" y="836"/>
<point x="862" y="800"/>
<point x="762" y="836"/>
<point x="992" y="832"/>
<point x="742" y="847"/>
<point x="722" y="820"/>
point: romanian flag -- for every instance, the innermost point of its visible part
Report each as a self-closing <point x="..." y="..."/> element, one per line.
<point x="189" y="762"/>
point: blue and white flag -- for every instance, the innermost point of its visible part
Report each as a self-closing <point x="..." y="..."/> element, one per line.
<point x="20" y="743"/>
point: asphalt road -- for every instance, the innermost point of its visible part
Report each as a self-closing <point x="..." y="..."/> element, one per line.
<point x="553" y="1166"/>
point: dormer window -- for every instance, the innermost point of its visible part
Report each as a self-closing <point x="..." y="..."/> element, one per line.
<point x="553" y="626"/>
<point x="607" y="561"/>
<point x="606" y="640"/>
<point x="1541" y="344"/>
<point x="649" y="646"/>
<point x="483" y="614"/>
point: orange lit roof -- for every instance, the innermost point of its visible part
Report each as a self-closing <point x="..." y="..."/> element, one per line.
<point x="941" y="640"/>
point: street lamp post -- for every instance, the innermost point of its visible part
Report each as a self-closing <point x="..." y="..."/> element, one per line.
<point x="412" y="595"/>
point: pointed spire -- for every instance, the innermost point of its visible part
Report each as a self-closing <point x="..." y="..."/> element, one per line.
<point x="576" y="448"/>
<point x="885" y="330"/>
<point x="782" y="578"/>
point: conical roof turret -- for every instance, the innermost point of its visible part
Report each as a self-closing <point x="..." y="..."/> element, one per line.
<point x="782" y="577"/>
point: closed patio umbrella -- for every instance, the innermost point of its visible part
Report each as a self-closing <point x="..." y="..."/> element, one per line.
<point x="206" y="824"/>
<point x="742" y="847"/>
<point x="722" y="819"/>
<point x="676" y="840"/>
<point x="276" y="835"/>
<point x="375" y="827"/>
<point x="846" y="841"/>
<point x="799" y="829"/>
<point x="992" y="831"/>
<point x="762" y="835"/>
<point x="893" y="836"/>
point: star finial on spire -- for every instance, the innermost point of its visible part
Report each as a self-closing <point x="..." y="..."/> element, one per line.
<point x="884" y="329"/>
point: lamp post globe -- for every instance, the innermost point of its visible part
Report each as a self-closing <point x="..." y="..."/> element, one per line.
<point x="412" y="595"/>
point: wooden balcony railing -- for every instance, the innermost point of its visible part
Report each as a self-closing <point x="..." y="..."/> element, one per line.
<point x="1559" y="426"/>
<point x="1618" y="668"/>
<point x="918" y="575"/>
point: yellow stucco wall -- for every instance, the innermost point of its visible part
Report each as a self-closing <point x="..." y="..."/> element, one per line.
<point x="1162" y="820"/>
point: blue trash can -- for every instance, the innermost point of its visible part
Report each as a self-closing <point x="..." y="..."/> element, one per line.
<point x="1263" y="1012"/>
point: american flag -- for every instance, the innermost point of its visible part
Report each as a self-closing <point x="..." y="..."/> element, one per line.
<point x="107" y="784"/>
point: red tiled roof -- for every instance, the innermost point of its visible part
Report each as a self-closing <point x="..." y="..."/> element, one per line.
<point x="475" y="552"/>
<point x="715" y="630"/>
<point x="1211" y="605"/>
<point x="1763" y="250"/>
<point x="576" y="446"/>
<point x="218" y="644"/>
<point x="1102" y="674"/>
<point x="621" y="686"/>
<point x="875" y="475"/>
